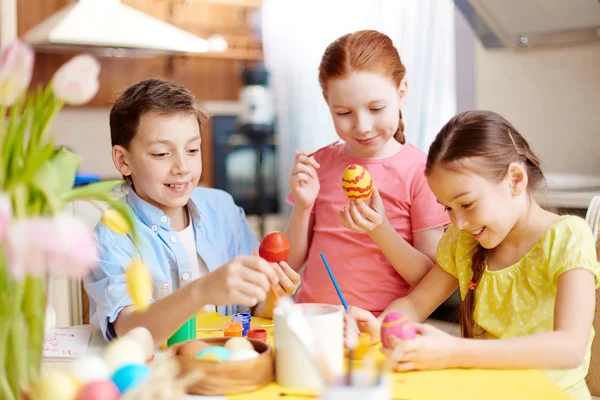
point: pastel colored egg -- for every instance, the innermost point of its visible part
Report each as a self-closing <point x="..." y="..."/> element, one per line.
<point x="55" y="385"/>
<point x="192" y="347"/>
<point x="221" y="352"/>
<point x="99" y="390"/>
<point x="398" y="325"/>
<point x="89" y="369"/>
<point x="357" y="183"/>
<point x="144" y="338"/>
<point x="130" y="376"/>
<point x="274" y="247"/>
<point x="236" y="344"/>
<point x="243" y="355"/>
<point x="123" y="351"/>
<point x="209" y="357"/>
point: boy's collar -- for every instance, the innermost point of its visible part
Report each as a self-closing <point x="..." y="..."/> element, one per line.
<point x="151" y="215"/>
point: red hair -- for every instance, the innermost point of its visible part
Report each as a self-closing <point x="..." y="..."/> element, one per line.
<point x="365" y="51"/>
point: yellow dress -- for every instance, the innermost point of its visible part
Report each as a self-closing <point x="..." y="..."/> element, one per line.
<point x="519" y="300"/>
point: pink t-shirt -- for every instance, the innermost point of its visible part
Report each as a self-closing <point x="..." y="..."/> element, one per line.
<point x="365" y="276"/>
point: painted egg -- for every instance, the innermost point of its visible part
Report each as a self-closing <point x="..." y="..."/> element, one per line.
<point x="209" y="357"/>
<point x="123" y="351"/>
<point x="89" y="369"/>
<point x="238" y="343"/>
<point x="357" y="183"/>
<point x="396" y="324"/>
<point x="144" y="338"/>
<point x="55" y="385"/>
<point x="274" y="247"/>
<point x="221" y="352"/>
<point x="100" y="390"/>
<point x="130" y="376"/>
<point x="243" y="355"/>
<point x="192" y="347"/>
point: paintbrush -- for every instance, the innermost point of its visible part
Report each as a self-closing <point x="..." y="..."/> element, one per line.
<point x="351" y="343"/>
<point x="339" y="292"/>
<point x="388" y="364"/>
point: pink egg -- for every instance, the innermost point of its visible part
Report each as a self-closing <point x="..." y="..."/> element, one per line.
<point x="99" y="390"/>
<point x="396" y="324"/>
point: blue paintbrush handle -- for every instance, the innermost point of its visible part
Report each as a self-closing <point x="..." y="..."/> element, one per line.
<point x="337" y="288"/>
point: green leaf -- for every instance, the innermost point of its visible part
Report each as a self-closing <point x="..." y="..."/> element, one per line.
<point x="92" y="190"/>
<point x="59" y="172"/>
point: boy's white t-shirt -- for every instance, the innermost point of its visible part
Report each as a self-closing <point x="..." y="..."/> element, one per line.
<point x="198" y="267"/>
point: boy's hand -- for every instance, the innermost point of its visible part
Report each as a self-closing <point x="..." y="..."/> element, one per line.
<point x="362" y="218"/>
<point x="289" y="280"/>
<point x="244" y="280"/>
<point x="303" y="180"/>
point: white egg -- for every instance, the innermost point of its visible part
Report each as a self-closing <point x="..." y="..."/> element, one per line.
<point x="90" y="369"/>
<point x="236" y="344"/>
<point x="123" y="351"/>
<point x="243" y="355"/>
<point x="144" y="338"/>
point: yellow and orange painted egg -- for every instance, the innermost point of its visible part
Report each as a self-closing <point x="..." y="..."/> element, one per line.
<point x="357" y="183"/>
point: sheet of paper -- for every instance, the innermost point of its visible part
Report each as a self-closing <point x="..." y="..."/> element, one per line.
<point x="66" y="343"/>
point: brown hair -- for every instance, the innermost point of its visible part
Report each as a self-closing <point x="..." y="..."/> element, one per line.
<point x="368" y="51"/>
<point x="485" y="141"/>
<point x="150" y="95"/>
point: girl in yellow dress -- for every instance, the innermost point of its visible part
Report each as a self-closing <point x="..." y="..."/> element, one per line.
<point x="526" y="275"/>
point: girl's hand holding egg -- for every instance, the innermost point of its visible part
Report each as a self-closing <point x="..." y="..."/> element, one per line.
<point x="423" y="346"/>
<point x="358" y="187"/>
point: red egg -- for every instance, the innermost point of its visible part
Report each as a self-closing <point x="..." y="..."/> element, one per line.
<point x="99" y="390"/>
<point x="274" y="247"/>
<point x="398" y="325"/>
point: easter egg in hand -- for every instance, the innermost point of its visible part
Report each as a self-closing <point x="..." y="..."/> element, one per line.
<point x="396" y="324"/>
<point x="357" y="183"/>
<point x="274" y="247"/>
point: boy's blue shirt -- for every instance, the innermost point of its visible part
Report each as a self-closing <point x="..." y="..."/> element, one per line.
<point x="221" y="232"/>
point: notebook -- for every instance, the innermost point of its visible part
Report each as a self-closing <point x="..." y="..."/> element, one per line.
<point x="64" y="343"/>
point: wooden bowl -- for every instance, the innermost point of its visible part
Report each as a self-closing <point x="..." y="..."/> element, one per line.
<point x="229" y="377"/>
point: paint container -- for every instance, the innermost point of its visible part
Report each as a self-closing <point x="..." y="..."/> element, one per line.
<point x="363" y="346"/>
<point x="293" y="366"/>
<point x="245" y="319"/>
<point x="257" y="333"/>
<point x="231" y="329"/>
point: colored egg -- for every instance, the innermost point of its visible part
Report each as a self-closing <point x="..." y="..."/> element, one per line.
<point x="243" y="355"/>
<point x="274" y="247"/>
<point x="192" y="347"/>
<point x="209" y="357"/>
<point x="123" y="351"/>
<point x="130" y="376"/>
<point x="99" y="390"/>
<point x="55" y="385"/>
<point x="237" y="344"/>
<point x="144" y="338"/>
<point x="90" y="369"/>
<point x="398" y="325"/>
<point x="221" y="352"/>
<point x="357" y="183"/>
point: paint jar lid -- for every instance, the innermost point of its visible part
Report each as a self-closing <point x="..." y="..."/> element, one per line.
<point x="257" y="333"/>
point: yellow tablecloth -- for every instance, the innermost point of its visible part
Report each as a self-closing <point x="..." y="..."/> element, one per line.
<point x="459" y="384"/>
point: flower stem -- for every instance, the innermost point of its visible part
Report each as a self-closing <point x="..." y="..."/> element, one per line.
<point x="5" y="388"/>
<point x="34" y="306"/>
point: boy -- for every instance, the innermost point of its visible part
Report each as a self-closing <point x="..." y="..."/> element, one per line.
<point x="196" y="241"/>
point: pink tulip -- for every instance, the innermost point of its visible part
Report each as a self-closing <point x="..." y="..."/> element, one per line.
<point x="16" y="68"/>
<point x="5" y="215"/>
<point x="62" y="246"/>
<point x="76" y="81"/>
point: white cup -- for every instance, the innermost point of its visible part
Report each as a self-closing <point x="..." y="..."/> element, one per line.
<point x="293" y="366"/>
